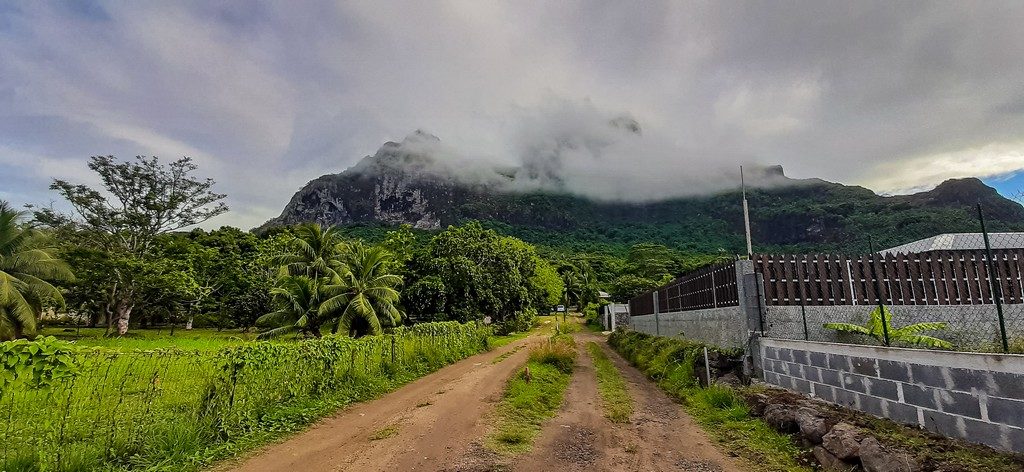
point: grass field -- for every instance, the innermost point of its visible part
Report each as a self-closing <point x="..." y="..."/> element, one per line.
<point x="157" y="402"/>
<point x="195" y="339"/>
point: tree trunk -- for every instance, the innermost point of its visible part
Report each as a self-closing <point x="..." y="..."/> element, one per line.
<point x="124" y="312"/>
<point x="188" y="324"/>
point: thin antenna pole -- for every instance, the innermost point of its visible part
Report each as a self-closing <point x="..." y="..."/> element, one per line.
<point x="746" y="214"/>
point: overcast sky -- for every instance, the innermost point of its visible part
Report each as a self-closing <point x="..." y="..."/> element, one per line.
<point x="895" y="96"/>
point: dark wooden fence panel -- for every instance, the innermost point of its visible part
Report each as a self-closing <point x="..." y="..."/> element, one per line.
<point x="930" y="278"/>
<point x="710" y="287"/>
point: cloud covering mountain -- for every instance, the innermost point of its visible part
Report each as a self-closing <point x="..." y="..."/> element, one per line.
<point x="266" y="95"/>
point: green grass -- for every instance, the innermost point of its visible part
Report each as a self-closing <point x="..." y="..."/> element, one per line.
<point x="506" y="355"/>
<point x="385" y="433"/>
<point x="527" y="404"/>
<point x="174" y="409"/>
<point x="719" y="410"/>
<point x="618" y="405"/>
<point x="141" y="339"/>
<point x="724" y="415"/>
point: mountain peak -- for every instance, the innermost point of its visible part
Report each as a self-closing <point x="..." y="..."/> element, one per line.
<point x="420" y="182"/>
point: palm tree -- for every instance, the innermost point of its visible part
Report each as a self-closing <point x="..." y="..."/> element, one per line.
<point x="908" y="334"/>
<point x="315" y="252"/>
<point x="363" y="296"/>
<point x="299" y="297"/>
<point x="573" y="291"/>
<point x="27" y="264"/>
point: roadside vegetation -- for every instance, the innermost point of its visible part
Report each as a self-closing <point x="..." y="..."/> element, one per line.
<point x="720" y="410"/>
<point x="618" y="405"/>
<point x="533" y="395"/>
<point x="73" y="408"/>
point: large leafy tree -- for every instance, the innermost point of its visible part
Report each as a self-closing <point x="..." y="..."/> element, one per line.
<point x="138" y="201"/>
<point x="27" y="266"/>
<point x="425" y="300"/>
<point x="547" y="285"/>
<point x="627" y="286"/>
<point x="483" y="273"/>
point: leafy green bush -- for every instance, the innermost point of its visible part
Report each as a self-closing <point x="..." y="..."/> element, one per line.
<point x="519" y="322"/>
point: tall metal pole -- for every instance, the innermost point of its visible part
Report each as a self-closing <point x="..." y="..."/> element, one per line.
<point x="746" y="214"/>
<point x="997" y="289"/>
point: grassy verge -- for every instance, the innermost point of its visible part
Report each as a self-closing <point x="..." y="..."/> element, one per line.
<point x="531" y="399"/>
<point x="719" y="410"/>
<point x="618" y="405"/>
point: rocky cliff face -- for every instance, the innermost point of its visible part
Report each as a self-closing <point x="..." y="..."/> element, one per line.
<point x="405" y="183"/>
<point x="399" y="184"/>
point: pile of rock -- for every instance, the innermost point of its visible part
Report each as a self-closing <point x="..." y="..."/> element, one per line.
<point x="837" y="446"/>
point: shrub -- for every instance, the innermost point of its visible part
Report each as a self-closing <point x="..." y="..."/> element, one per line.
<point x="520" y="322"/>
<point x="559" y="351"/>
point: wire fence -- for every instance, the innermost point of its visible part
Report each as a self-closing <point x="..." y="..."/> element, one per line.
<point x="139" y="409"/>
<point x="956" y="291"/>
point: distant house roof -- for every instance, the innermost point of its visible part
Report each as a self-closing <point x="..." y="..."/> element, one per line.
<point x="960" y="242"/>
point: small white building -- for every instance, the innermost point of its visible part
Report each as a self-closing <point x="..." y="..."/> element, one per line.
<point x="615" y="315"/>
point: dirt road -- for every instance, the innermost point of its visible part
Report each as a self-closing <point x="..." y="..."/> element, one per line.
<point x="659" y="436"/>
<point x="420" y="426"/>
<point x="439" y="422"/>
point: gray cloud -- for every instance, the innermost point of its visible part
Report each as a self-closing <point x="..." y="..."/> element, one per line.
<point x="268" y="95"/>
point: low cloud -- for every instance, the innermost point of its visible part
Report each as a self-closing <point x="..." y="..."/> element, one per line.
<point x="268" y="95"/>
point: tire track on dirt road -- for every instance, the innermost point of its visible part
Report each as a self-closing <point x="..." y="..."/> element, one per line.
<point x="659" y="437"/>
<point x="434" y="419"/>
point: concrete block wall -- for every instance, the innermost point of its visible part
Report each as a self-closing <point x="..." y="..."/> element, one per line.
<point x="973" y="396"/>
<point x="722" y="327"/>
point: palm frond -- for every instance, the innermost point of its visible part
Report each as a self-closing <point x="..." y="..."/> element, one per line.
<point x="919" y="327"/>
<point x="848" y="328"/>
<point x="277" y="332"/>
<point x="928" y="341"/>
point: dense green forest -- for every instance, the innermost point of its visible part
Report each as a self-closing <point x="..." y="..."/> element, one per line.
<point x="124" y="258"/>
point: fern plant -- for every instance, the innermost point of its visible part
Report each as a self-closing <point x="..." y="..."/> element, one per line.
<point x="909" y="334"/>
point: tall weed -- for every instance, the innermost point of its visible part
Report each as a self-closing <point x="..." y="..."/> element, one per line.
<point x="558" y="351"/>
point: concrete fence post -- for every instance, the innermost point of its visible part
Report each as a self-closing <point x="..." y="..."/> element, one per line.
<point x="657" y="320"/>
<point x="751" y="305"/>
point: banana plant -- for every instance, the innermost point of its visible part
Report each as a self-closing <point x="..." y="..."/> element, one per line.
<point x="909" y="334"/>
